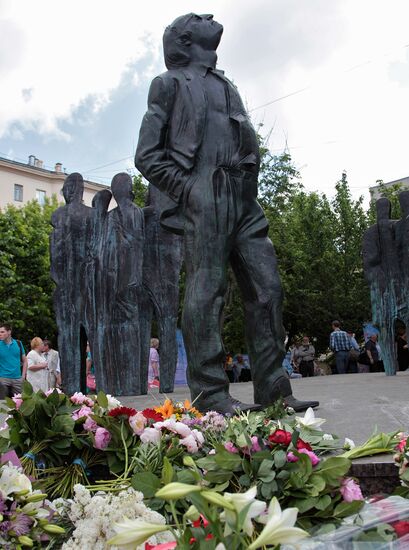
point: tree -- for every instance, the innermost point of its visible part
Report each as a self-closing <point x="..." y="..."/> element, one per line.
<point x="26" y="289"/>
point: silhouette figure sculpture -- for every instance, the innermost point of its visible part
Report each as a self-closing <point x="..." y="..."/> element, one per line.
<point x="385" y="252"/>
<point x="68" y="250"/>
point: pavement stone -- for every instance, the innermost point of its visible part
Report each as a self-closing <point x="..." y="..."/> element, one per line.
<point x="352" y="404"/>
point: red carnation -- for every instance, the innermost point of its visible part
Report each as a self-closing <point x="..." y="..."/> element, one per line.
<point x="281" y="437"/>
<point x="122" y="411"/>
<point x="151" y="414"/>
<point x="401" y="528"/>
<point x="303" y="445"/>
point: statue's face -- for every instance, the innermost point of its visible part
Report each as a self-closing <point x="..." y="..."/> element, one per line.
<point x="206" y="32"/>
<point x="72" y="190"/>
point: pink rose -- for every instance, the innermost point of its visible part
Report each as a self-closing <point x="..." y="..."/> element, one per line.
<point x="17" y="400"/>
<point x="138" y="423"/>
<point x="190" y="443"/>
<point x="51" y="390"/>
<point x="90" y="425"/>
<point x="150" y="435"/>
<point x="198" y="436"/>
<point x="291" y="457"/>
<point x="401" y="445"/>
<point x="102" y="438"/>
<point x="80" y="399"/>
<point x="83" y="411"/>
<point x="255" y="446"/>
<point x="350" y="490"/>
<point x="230" y="447"/>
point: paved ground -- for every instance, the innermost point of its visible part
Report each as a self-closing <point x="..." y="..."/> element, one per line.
<point x="353" y="404"/>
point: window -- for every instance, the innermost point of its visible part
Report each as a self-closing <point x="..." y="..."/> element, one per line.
<point x="18" y="192"/>
<point x="40" y="196"/>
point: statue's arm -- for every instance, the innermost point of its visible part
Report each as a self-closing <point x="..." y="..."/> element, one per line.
<point x="152" y="158"/>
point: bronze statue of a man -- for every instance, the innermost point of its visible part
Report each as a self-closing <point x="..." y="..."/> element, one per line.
<point x="198" y="146"/>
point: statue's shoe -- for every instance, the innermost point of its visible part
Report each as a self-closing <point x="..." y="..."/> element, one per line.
<point x="228" y="406"/>
<point x="299" y="406"/>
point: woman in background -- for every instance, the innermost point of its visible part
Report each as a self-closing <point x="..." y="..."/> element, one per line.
<point x="37" y="368"/>
<point x="153" y="373"/>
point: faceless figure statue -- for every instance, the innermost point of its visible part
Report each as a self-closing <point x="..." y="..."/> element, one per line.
<point x="198" y="146"/>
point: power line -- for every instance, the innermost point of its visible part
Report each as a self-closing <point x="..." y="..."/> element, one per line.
<point x="353" y="68"/>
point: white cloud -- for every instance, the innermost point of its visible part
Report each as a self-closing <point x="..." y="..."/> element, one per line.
<point x="349" y="55"/>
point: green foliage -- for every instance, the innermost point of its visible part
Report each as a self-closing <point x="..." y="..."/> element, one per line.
<point x="140" y="190"/>
<point x="26" y="289"/>
<point x="318" y="245"/>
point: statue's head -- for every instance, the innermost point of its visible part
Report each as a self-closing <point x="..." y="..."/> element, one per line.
<point x="121" y="187"/>
<point x="383" y="209"/>
<point x="404" y="203"/>
<point x="186" y="30"/>
<point x="101" y="200"/>
<point x="73" y="188"/>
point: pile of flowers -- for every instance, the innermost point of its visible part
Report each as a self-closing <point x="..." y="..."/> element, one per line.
<point x="254" y="479"/>
<point x="25" y="518"/>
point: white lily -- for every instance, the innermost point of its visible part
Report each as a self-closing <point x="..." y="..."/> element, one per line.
<point x="132" y="533"/>
<point x="240" y="501"/>
<point x="309" y="420"/>
<point x="279" y="527"/>
<point x="348" y="444"/>
<point x="13" y="481"/>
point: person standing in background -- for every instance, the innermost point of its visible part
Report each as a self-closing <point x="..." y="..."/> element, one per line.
<point x="305" y="355"/>
<point x="52" y="357"/>
<point x="154" y="364"/>
<point x="340" y="344"/>
<point x="13" y="363"/>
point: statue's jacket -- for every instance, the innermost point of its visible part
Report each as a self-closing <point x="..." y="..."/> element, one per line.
<point x="172" y="131"/>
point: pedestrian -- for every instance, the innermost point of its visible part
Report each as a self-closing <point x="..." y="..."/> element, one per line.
<point x="154" y="364"/>
<point x="53" y="359"/>
<point x="340" y="344"/>
<point x="373" y="353"/>
<point x="13" y="363"/>
<point x="305" y="354"/>
<point x="37" y="367"/>
<point x="353" y="353"/>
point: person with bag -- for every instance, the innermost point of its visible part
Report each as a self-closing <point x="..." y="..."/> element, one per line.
<point x="305" y="355"/>
<point x="13" y="363"/>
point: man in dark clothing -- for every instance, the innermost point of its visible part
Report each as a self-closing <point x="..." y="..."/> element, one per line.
<point x="198" y="146"/>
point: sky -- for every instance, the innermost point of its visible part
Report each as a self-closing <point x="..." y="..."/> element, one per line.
<point x="328" y="80"/>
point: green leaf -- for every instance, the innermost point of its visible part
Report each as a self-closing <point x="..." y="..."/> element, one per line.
<point x="102" y="399"/>
<point x="344" y="509"/>
<point x="220" y="476"/>
<point x="146" y="482"/>
<point x="323" y="502"/>
<point x="167" y="471"/>
<point x="266" y="471"/>
<point x="333" y="468"/>
<point x="63" y="424"/>
<point x="280" y="458"/>
<point x="27" y="389"/>
<point x="27" y="407"/>
<point x="228" y="461"/>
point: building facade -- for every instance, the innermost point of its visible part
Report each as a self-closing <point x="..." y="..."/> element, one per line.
<point x="402" y="185"/>
<point x="21" y="183"/>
